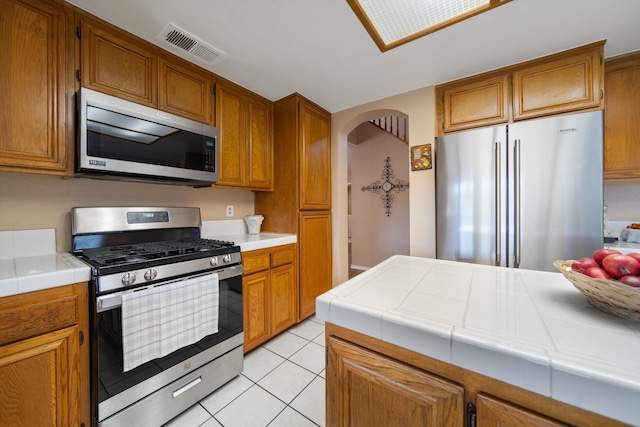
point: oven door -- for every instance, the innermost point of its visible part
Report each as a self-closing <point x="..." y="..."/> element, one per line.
<point x="117" y="391"/>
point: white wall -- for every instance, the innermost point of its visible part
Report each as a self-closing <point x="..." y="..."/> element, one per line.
<point x="29" y="202"/>
<point x="374" y="235"/>
<point x="419" y="107"/>
<point x="623" y="201"/>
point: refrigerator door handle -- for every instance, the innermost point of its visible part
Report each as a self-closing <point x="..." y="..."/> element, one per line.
<point x="498" y="206"/>
<point x="516" y="205"/>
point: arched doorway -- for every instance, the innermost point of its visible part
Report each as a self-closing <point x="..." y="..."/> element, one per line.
<point x="378" y="181"/>
<point x="418" y="106"/>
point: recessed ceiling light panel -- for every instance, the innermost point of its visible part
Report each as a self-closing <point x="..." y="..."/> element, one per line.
<point x="392" y="23"/>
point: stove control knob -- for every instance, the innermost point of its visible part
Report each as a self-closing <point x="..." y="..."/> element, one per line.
<point x="150" y="274"/>
<point x="128" y="279"/>
<point x="214" y="261"/>
<point x="227" y="258"/>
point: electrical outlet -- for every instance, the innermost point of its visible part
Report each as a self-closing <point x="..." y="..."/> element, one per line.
<point x="229" y="210"/>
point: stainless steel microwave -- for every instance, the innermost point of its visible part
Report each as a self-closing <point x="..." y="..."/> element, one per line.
<point x="118" y="139"/>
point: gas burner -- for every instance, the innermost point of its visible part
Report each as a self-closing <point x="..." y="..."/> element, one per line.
<point x="139" y="252"/>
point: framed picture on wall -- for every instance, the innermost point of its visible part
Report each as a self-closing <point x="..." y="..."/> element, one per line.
<point x="420" y="157"/>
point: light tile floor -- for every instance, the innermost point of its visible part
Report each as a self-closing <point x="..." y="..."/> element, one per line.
<point x="282" y="385"/>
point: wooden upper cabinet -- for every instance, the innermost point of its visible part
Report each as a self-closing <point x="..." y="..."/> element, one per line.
<point x="315" y="158"/>
<point x="185" y="90"/>
<point x="245" y="139"/>
<point x="561" y="83"/>
<point x="231" y="137"/>
<point x="115" y="64"/>
<point x="478" y="103"/>
<point x="495" y="413"/>
<point x="570" y="82"/>
<point x="260" y="144"/>
<point x="36" y="86"/>
<point x="622" y="118"/>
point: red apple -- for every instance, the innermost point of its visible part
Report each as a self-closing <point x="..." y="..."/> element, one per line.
<point x="631" y="281"/>
<point x="601" y="254"/>
<point x="618" y="265"/>
<point x="634" y="255"/>
<point x="582" y="264"/>
<point x="597" y="273"/>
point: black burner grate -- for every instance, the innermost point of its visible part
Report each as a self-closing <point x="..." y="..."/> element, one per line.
<point x="133" y="253"/>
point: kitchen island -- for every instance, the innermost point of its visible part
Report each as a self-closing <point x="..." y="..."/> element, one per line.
<point x="524" y="338"/>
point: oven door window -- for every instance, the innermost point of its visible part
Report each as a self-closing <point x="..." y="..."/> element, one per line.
<point x="111" y="379"/>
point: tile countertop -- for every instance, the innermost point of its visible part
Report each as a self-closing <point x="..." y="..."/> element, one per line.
<point x="236" y="231"/>
<point x="29" y="262"/>
<point x="532" y="329"/>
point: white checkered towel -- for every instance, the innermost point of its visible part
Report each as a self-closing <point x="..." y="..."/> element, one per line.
<point x="160" y="319"/>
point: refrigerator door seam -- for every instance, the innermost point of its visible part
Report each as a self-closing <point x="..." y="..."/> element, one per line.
<point x="498" y="206"/>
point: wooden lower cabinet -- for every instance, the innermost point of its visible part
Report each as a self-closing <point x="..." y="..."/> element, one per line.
<point x="493" y="412"/>
<point x="373" y="383"/>
<point x="44" y="358"/>
<point x="315" y="258"/>
<point x="270" y="293"/>
<point x="365" y="388"/>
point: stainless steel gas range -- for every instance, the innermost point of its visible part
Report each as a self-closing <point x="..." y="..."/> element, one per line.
<point x="166" y="311"/>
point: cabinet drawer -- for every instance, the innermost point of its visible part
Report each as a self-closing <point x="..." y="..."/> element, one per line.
<point x="36" y="313"/>
<point x="256" y="261"/>
<point x="282" y="256"/>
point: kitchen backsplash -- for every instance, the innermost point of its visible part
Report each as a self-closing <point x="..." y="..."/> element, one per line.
<point x="26" y="243"/>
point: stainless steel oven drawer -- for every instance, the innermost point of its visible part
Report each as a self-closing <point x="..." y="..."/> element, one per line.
<point x="173" y="399"/>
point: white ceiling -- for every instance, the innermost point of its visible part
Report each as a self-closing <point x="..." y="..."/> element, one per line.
<point x="320" y="49"/>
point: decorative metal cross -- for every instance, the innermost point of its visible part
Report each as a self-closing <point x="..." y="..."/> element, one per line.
<point x="387" y="186"/>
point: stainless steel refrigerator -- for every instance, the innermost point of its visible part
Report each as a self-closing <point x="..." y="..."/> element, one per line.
<point x="521" y="195"/>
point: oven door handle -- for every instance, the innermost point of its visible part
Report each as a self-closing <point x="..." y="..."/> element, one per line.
<point x="111" y="301"/>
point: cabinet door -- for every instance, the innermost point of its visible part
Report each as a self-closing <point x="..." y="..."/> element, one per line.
<point x="315" y="158"/>
<point x="622" y="118"/>
<point x="569" y="83"/>
<point x="315" y="259"/>
<point x="116" y="64"/>
<point x="369" y="389"/>
<point x="185" y="91"/>
<point x="37" y="94"/>
<point x="260" y="144"/>
<point x="255" y="292"/>
<point x="284" y="298"/>
<point x="40" y="380"/>
<point x="230" y="121"/>
<point x="495" y="413"/>
<point x="480" y="103"/>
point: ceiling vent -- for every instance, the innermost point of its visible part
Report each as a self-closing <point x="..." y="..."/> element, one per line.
<point x="185" y="42"/>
